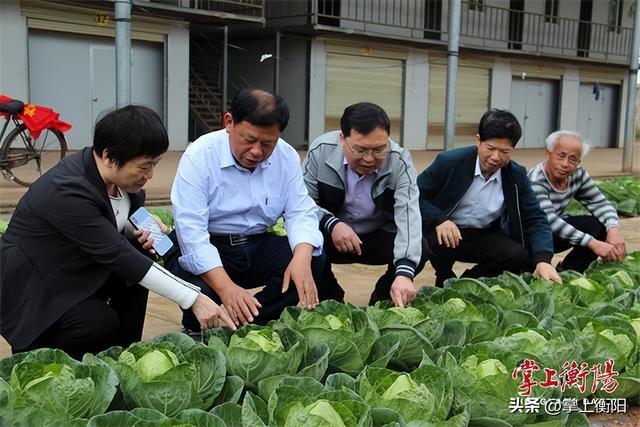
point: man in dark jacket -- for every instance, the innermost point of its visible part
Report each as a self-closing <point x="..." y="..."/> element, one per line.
<point x="477" y="206"/>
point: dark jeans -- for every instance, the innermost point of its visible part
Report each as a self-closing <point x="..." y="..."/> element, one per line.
<point x="580" y="257"/>
<point x="377" y="249"/>
<point x="113" y="316"/>
<point x="258" y="262"/>
<point x="493" y="253"/>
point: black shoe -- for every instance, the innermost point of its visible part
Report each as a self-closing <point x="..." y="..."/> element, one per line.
<point x="374" y="298"/>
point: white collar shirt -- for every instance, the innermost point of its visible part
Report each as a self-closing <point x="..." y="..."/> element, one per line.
<point x="214" y="195"/>
<point x="483" y="202"/>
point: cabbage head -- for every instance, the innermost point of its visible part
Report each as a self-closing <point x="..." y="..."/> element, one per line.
<point x="347" y="330"/>
<point x="636" y="327"/>
<point x="302" y="401"/>
<point x="52" y="381"/>
<point x="265" y="340"/>
<point x="485" y="368"/>
<point x="169" y="374"/>
<point x="423" y="395"/>
<point x="152" y="364"/>
<point x="151" y="417"/>
<point x="601" y="342"/>
<point x="484" y="386"/>
<point x="257" y="352"/>
<point x="323" y="413"/>
<point x="410" y="329"/>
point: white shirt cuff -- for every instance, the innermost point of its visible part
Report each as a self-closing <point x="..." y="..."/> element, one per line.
<point x="314" y="239"/>
<point x="162" y="282"/>
<point x="201" y="261"/>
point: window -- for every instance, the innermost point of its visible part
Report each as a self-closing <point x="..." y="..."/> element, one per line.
<point x="477" y="5"/>
<point x="551" y="11"/>
<point x="615" y="15"/>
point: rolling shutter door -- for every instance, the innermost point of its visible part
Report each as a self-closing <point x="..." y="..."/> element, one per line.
<point x="472" y="100"/>
<point x="352" y="79"/>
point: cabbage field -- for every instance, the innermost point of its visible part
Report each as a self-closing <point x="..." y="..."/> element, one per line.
<point x="623" y="192"/>
<point x="491" y="352"/>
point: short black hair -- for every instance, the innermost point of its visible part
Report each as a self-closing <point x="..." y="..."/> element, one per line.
<point x="364" y="117"/>
<point x="130" y="132"/>
<point x="497" y="123"/>
<point x="260" y="108"/>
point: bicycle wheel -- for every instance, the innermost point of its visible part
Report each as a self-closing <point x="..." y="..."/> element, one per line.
<point x="24" y="159"/>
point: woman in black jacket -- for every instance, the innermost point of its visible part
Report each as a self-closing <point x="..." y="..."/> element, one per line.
<point x="71" y="265"/>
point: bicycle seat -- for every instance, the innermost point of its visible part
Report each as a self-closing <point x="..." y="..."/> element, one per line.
<point x="12" y="107"/>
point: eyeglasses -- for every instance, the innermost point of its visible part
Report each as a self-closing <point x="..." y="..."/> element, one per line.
<point x="378" y="152"/>
<point x="573" y="160"/>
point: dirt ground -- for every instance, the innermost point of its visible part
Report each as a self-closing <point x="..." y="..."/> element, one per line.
<point x="358" y="280"/>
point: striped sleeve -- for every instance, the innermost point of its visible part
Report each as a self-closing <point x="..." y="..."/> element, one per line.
<point x="553" y="204"/>
<point x="592" y="198"/>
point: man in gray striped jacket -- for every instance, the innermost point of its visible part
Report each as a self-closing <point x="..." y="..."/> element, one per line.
<point x="559" y="179"/>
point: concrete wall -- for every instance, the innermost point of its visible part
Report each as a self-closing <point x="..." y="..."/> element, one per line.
<point x="177" y="86"/>
<point x="416" y="99"/>
<point x="14" y="75"/>
<point x="501" y="83"/>
<point x="569" y="98"/>
<point x="317" y="84"/>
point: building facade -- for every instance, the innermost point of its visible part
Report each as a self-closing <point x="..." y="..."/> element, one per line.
<point x="554" y="63"/>
<point x="62" y="54"/>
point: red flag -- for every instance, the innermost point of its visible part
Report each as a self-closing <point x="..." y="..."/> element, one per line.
<point x="38" y="118"/>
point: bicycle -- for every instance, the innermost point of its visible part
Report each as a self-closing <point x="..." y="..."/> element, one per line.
<point x="27" y="154"/>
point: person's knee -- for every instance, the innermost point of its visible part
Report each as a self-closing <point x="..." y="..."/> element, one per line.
<point x="517" y="258"/>
<point x="599" y="230"/>
<point x="590" y="225"/>
<point x="170" y="259"/>
<point x="98" y="323"/>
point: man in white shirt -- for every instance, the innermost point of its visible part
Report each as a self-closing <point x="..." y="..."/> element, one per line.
<point x="231" y="185"/>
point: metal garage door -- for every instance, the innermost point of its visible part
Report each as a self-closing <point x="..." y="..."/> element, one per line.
<point x="472" y="100"/>
<point x="75" y="74"/>
<point x="352" y="79"/>
<point x="598" y="108"/>
<point x="535" y="104"/>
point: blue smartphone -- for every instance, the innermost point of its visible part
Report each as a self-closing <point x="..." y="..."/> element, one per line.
<point x="143" y="220"/>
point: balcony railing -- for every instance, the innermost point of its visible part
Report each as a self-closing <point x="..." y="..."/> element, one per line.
<point x="494" y="27"/>
<point x="482" y="26"/>
<point x="250" y="8"/>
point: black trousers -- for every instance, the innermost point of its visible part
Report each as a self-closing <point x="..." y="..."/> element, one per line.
<point x="493" y="253"/>
<point x="258" y="262"/>
<point x="580" y="257"/>
<point x="113" y="316"/>
<point x="377" y="249"/>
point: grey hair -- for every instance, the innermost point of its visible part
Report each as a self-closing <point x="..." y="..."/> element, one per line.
<point x="552" y="139"/>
